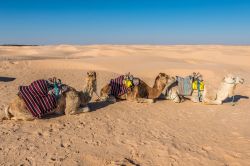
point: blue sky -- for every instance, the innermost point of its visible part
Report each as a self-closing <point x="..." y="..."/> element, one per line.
<point x="124" y="22"/>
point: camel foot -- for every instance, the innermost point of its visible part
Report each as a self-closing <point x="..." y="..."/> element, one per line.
<point x="85" y="109"/>
<point x="111" y="99"/>
<point x="142" y="100"/>
<point x="213" y="102"/>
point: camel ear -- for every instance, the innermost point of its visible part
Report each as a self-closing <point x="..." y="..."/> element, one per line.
<point x="157" y="77"/>
<point x="162" y="74"/>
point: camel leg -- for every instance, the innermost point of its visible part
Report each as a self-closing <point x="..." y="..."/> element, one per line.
<point x="111" y="99"/>
<point x="60" y="110"/>
<point x="24" y="118"/>
<point x="194" y="99"/>
<point x="104" y="93"/>
<point x="143" y="100"/>
<point x="72" y="103"/>
<point x="173" y="95"/>
<point x="212" y="102"/>
<point x="80" y="110"/>
<point x="23" y="115"/>
<point x="217" y="102"/>
<point x="177" y="99"/>
<point x="17" y="110"/>
<point x="84" y="109"/>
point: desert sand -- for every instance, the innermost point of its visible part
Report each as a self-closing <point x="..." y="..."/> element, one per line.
<point x="128" y="133"/>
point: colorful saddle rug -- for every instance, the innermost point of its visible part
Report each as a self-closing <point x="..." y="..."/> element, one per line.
<point x="118" y="87"/>
<point x="37" y="98"/>
<point x="123" y="84"/>
<point x="185" y="85"/>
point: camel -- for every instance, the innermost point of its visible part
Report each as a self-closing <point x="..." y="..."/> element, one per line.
<point x="140" y="93"/>
<point x="70" y="102"/>
<point x="225" y="90"/>
<point x="171" y="92"/>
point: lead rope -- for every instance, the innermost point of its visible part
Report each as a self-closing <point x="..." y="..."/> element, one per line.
<point x="198" y="87"/>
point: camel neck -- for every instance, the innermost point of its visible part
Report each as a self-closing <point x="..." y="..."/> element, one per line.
<point x="89" y="89"/>
<point x="156" y="91"/>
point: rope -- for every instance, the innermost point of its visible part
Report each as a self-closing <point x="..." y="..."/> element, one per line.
<point x="198" y="88"/>
<point x="99" y="98"/>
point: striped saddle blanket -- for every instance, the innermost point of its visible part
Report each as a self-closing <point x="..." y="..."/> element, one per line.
<point x="37" y="98"/>
<point x="117" y="86"/>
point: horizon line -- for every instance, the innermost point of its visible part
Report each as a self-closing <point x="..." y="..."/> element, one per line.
<point x="119" y="44"/>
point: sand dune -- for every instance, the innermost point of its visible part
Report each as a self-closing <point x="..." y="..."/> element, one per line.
<point x="163" y="133"/>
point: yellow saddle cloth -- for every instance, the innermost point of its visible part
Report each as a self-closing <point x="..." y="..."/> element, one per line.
<point x="195" y="85"/>
<point x="128" y="83"/>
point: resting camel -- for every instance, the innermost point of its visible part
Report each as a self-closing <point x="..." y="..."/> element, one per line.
<point x="70" y="102"/>
<point x="225" y="90"/>
<point x="172" y="92"/>
<point x="141" y="93"/>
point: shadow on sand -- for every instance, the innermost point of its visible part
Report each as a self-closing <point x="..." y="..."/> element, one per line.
<point x="236" y="98"/>
<point x="7" y="79"/>
<point x="94" y="106"/>
<point x="51" y="116"/>
<point x="98" y="105"/>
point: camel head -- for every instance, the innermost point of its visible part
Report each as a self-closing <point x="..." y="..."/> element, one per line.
<point x="196" y="76"/>
<point x="161" y="81"/>
<point x="232" y="79"/>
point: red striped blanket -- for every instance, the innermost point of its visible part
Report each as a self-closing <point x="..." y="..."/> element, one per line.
<point x="117" y="86"/>
<point x="37" y="99"/>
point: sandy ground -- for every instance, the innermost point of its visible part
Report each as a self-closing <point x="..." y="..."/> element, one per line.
<point x="127" y="133"/>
